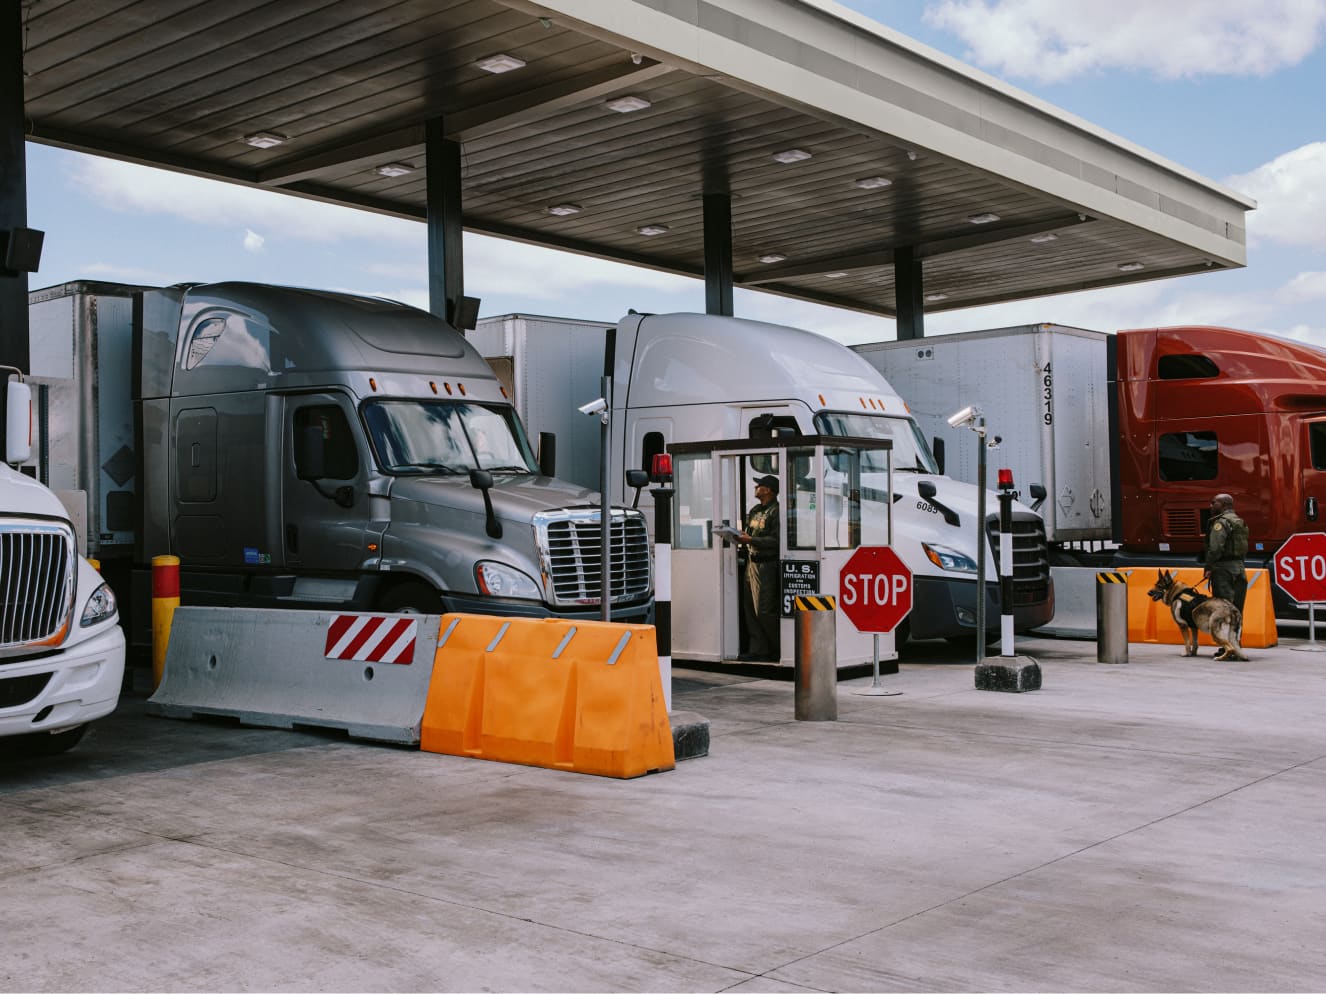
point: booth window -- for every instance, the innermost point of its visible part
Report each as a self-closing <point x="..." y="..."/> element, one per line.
<point x="693" y="508"/>
<point x="652" y="445"/>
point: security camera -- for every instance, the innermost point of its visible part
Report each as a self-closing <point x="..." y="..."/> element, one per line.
<point x="963" y="417"/>
<point x="596" y="406"/>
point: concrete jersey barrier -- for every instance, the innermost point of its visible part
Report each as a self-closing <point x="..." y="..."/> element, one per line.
<point x="364" y="674"/>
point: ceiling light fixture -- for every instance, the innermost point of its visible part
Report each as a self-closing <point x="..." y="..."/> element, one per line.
<point x="265" y="139"/>
<point x="834" y="276"/>
<point x="772" y="257"/>
<point x="650" y="230"/>
<point x="392" y="169"/>
<point x="1043" y="237"/>
<point x="873" y="182"/>
<point x="564" y="210"/>
<point x="1130" y="267"/>
<point x="500" y="63"/>
<point x="934" y="298"/>
<point x="791" y="155"/>
<point x="624" y="105"/>
<point x="986" y="217"/>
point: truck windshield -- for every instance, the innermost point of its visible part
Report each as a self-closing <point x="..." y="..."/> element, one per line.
<point x="911" y="454"/>
<point x="434" y="436"/>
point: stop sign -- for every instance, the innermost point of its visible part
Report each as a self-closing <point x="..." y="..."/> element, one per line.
<point x="1300" y="567"/>
<point x="875" y="589"/>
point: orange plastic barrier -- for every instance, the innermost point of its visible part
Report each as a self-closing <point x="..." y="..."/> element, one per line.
<point x="584" y="696"/>
<point x="1149" y="621"/>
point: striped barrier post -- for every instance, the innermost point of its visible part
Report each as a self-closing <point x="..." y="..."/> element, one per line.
<point x="165" y="599"/>
<point x="816" y="661"/>
<point x="1111" y="617"/>
<point x="1006" y="564"/>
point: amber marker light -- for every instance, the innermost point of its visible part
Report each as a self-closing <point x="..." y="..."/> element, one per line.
<point x="373" y="384"/>
<point x="432" y="386"/>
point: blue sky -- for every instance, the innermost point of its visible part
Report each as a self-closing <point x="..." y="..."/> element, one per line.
<point x="1234" y="91"/>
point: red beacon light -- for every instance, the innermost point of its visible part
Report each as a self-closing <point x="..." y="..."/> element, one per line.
<point x="1005" y="479"/>
<point x="660" y="468"/>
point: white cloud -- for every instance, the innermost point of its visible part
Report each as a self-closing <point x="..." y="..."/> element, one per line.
<point x="1290" y="195"/>
<point x="133" y="189"/>
<point x="1305" y="286"/>
<point x="1055" y="40"/>
<point x="253" y="242"/>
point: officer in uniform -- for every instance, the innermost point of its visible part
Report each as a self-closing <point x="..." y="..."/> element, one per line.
<point x="760" y="536"/>
<point x="1226" y="545"/>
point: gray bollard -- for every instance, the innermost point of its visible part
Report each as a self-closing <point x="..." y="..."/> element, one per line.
<point x="1111" y="617"/>
<point x="816" y="659"/>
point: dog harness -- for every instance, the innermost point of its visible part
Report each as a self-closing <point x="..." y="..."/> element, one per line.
<point x="1189" y="601"/>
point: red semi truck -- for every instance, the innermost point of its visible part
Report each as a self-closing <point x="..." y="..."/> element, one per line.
<point x="1203" y="410"/>
<point x="1132" y="433"/>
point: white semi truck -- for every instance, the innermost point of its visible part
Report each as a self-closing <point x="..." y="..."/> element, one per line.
<point x="61" y="647"/>
<point x="296" y="448"/>
<point x="680" y="378"/>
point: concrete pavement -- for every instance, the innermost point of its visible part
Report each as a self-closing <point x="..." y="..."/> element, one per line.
<point x="1152" y="826"/>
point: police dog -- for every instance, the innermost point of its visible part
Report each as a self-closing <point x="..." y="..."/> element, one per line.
<point x="1195" y="612"/>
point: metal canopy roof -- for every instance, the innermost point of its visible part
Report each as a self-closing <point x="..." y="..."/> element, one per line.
<point x="349" y="84"/>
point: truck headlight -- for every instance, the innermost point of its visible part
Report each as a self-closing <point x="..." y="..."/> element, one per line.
<point x="100" y="606"/>
<point x="949" y="559"/>
<point x="500" y="580"/>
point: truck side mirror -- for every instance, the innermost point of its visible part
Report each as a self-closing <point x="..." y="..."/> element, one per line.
<point x="1038" y="494"/>
<point x="937" y="447"/>
<point x="18" y="422"/>
<point x="638" y="479"/>
<point x="310" y="453"/>
<point x="482" y="480"/>
<point x="547" y="453"/>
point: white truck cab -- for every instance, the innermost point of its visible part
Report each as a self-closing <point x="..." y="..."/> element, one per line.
<point x="61" y="646"/>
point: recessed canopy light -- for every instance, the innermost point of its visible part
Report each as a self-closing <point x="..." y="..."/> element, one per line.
<point x="564" y="210"/>
<point x="934" y="298"/>
<point x="264" y="139"/>
<point x="500" y="63"/>
<point x="1044" y="236"/>
<point x="874" y="182"/>
<point x="624" y="105"/>
<point x="834" y="276"/>
<point x="772" y="257"/>
<point x="650" y="230"/>
<point x="791" y="155"/>
<point x="394" y="169"/>
<point x="985" y="218"/>
<point x="1130" y="267"/>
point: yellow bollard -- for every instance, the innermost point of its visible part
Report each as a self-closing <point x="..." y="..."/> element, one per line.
<point x="165" y="599"/>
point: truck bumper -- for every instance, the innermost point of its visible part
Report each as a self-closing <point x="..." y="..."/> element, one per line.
<point x="81" y="683"/>
<point x="944" y="608"/>
<point x="633" y="614"/>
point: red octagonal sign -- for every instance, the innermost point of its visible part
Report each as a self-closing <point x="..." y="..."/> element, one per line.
<point x="1300" y="567"/>
<point x="875" y="589"/>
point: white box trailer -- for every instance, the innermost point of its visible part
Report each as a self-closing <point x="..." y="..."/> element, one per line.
<point x="549" y="367"/>
<point x="1043" y="390"/>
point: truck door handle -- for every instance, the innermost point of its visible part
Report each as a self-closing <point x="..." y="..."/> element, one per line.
<point x="195" y="455"/>
<point x="1311" y="508"/>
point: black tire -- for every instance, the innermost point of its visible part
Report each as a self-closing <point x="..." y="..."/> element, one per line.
<point x="411" y="597"/>
<point x="44" y="743"/>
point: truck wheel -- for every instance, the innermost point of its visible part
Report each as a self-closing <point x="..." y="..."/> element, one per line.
<point x="411" y="597"/>
<point x="45" y="743"/>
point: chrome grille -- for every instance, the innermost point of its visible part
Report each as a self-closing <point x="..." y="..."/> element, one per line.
<point x="570" y="545"/>
<point x="1031" y="557"/>
<point x="36" y="583"/>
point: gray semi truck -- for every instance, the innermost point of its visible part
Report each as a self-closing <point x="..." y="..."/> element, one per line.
<point x="297" y="448"/>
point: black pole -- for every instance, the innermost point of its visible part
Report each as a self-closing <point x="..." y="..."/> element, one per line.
<point x="13" y="194"/>
<point x="718" y="254"/>
<point x="663" y="584"/>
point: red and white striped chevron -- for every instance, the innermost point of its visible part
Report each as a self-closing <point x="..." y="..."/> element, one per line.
<point x="372" y="638"/>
